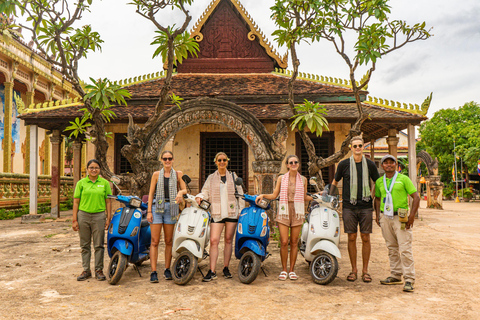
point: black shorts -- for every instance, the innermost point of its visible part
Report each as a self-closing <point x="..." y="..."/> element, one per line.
<point x="224" y="220"/>
<point x="354" y="217"/>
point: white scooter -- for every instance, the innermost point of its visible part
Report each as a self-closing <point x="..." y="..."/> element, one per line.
<point x="321" y="235"/>
<point x="191" y="237"/>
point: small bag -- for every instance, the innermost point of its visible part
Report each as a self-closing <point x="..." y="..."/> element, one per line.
<point x="403" y="217"/>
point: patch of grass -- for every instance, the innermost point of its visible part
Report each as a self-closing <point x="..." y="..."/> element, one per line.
<point x="7" y="215"/>
<point x="50" y="235"/>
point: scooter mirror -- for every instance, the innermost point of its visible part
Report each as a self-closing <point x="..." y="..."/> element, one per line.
<point x="313" y="181"/>
<point x="239" y="181"/>
<point x="186" y="179"/>
<point x="115" y="179"/>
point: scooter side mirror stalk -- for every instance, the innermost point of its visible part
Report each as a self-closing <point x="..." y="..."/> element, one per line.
<point x="115" y="180"/>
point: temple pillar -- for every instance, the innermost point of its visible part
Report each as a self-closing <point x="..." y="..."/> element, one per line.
<point x="83" y="160"/>
<point x="62" y="158"/>
<point x="29" y="97"/>
<point x="47" y="154"/>
<point x="392" y="141"/>
<point x="7" y="127"/>
<point x="33" y="191"/>
<point x="77" y="162"/>
<point x="56" y="141"/>
<point x="265" y="175"/>
<point x="372" y="150"/>
<point x="412" y="157"/>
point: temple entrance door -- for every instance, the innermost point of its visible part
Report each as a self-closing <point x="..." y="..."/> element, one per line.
<point x="229" y="142"/>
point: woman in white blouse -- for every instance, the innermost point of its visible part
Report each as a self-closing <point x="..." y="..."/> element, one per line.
<point x="219" y="190"/>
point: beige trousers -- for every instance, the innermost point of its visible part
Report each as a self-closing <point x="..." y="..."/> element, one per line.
<point x="92" y="225"/>
<point x="399" y="245"/>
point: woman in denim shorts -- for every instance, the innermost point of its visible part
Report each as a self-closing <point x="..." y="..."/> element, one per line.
<point x="167" y="188"/>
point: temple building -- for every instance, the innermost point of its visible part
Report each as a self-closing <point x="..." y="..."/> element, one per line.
<point x="235" y="94"/>
<point x="26" y="79"/>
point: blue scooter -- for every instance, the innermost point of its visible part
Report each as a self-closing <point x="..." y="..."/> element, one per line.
<point x="128" y="237"/>
<point x="252" y="237"/>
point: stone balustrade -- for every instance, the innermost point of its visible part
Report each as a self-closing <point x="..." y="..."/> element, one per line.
<point x="15" y="189"/>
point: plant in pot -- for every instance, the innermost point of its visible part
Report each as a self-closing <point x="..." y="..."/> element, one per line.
<point x="448" y="192"/>
<point x="466" y="194"/>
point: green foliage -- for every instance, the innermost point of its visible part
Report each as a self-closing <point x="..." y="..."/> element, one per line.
<point x="176" y="100"/>
<point x="448" y="191"/>
<point x="465" y="193"/>
<point x="52" y="26"/>
<point x="78" y="126"/>
<point x="446" y="126"/>
<point x="7" y="26"/>
<point x="7" y="214"/>
<point x="365" y="21"/>
<point x="182" y="45"/>
<point x="100" y="94"/>
<point x="310" y="115"/>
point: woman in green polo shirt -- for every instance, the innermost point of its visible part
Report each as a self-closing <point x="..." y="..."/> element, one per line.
<point x="92" y="212"/>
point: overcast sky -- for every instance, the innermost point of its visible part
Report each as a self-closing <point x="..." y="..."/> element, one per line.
<point x="447" y="64"/>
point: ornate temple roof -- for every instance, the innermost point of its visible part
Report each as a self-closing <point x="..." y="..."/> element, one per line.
<point x="255" y="30"/>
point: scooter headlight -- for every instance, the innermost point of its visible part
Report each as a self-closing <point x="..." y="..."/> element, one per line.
<point x="263" y="204"/>
<point x="240" y="228"/>
<point x="134" y="232"/>
<point x="264" y="232"/>
<point x="134" y="202"/>
<point x="205" y="205"/>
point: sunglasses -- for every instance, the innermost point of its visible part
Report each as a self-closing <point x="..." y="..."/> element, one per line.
<point x="167" y="159"/>
<point x="222" y="160"/>
<point x="357" y="146"/>
<point x="293" y="162"/>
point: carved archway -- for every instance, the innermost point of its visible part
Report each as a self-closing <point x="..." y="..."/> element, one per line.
<point x="265" y="147"/>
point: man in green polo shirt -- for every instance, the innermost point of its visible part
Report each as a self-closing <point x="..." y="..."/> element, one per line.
<point x="391" y="198"/>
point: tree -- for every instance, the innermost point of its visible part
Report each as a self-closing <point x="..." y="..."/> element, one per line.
<point x="446" y="126"/>
<point x="63" y="46"/>
<point x="336" y="21"/>
<point x="174" y="44"/>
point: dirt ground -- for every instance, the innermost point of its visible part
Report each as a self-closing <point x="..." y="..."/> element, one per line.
<point x="39" y="264"/>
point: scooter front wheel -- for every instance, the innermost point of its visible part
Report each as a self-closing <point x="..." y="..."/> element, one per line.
<point x="184" y="268"/>
<point x="248" y="267"/>
<point x="117" y="265"/>
<point x="324" y="268"/>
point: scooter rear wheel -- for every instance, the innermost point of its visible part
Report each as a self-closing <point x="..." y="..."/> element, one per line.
<point x="248" y="267"/>
<point x="116" y="267"/>
<point x="184" y="268"/>
<point x="324" y="268"/>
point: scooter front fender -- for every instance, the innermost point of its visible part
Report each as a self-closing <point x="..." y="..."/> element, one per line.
<point x="123" y="246"/>
<point x="191" y="246"/>
<point x="253" y="245"/>
<point x="325" y="245"/>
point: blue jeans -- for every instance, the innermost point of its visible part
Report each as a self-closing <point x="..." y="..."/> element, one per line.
<point x="165" y="217"/>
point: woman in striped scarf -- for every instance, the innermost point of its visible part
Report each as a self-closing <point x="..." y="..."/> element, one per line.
<point x="292" y="188"/>
<point x="166" y="192"/>
<point x="219" y="190"/>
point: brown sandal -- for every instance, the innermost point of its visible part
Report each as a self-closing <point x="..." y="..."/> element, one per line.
<point x="366" y="277"/>
<point x="352" y="276"/>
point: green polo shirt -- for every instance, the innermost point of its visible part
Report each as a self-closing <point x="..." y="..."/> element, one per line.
<point x="92" y="195"/>
<point x="402" y="188"/>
